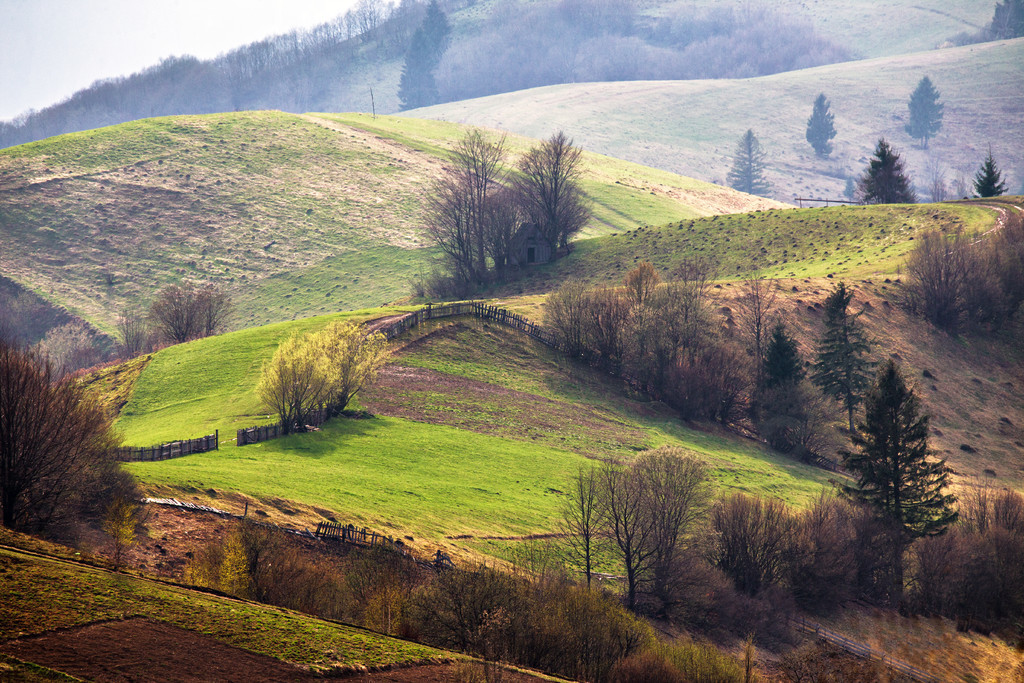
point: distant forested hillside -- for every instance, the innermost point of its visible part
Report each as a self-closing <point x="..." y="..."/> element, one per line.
<point x="354" y="62"/>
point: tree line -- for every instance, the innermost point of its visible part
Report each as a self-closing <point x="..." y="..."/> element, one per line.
<point x="324" y="68"/>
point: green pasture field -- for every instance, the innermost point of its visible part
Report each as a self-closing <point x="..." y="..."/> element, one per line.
<point x="431" y="481"/>
<point x="40" y="594"/>
<point x="293" y="215"/>
<point x="852" y="242"/>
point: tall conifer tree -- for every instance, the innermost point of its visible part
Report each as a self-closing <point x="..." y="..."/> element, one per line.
<point x="885" y="180"/>
<point x="842" y="367"/>
<point x="894" y="473"/>
<point x="820" y="128"/>
<point x="747" y="174"/>
<point x="988" y="181"/>
<point x="925" y="112"/>
<point x="417" y="87"/>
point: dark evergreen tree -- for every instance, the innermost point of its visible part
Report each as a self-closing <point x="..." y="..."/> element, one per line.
<point x="782" y="363"/>
<point x="842" y="368"/>
<point x="894" y="473"/>
<point x="1008" y="20"/>
<point x="885" y="181"/>
<point x="747" y="174"/>
<point x="925" y="112"/>
<point x="988" y="181"/>
<point x="820" y="128"/>
<point x="417" y="87"/>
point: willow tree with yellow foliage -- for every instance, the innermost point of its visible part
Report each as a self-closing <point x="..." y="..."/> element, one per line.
<point x="320" y="371"/>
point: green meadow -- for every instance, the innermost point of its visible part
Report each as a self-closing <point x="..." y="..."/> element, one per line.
<point x="435" y="480"/>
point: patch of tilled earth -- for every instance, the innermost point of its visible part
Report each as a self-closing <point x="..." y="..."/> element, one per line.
<point x="148" y="650"/>
<point x="435" y="397"/>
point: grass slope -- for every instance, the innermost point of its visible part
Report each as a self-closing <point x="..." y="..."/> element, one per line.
<point x="435" y="480"/>
<point x="295" y="215"/>
<point x="39" y="594"/>
<point x="692" y="127"/>
<point x="854" y="241"/>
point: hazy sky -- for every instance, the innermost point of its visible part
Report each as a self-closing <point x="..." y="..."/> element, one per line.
<point x="51" y="48"/>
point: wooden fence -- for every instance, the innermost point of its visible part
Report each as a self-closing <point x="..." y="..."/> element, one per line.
<point x="348" y="533"/>
<point x="174" y="449"/>
<point x="863" y="651"/>
<point x="248" y="435"/>
<point x="501" y="316"/>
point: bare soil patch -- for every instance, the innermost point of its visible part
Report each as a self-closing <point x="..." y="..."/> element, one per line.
<point x="434" y="397"/>
<point x="149" y="650"/>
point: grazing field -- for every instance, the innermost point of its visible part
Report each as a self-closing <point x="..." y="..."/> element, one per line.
<point x="294" y="215"/>
<point x="436" y="463"/>
<point x="41" y="594"/>
<point x="856" y="241"/>
<point x="692" y="127"/>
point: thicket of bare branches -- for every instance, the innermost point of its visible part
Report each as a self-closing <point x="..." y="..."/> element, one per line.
<point x="962" y="284"/>
<point x="56" y="445"/>
<point x="184" y="312"/>
<point x="475" y="210"/>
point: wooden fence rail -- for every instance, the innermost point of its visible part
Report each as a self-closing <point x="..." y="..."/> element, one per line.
<point x="248" y="435"/>
<point x="863" y="651"/>
<point x="174" y="449"/>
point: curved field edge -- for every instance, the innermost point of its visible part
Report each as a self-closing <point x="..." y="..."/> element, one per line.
<point x="40" y="594"/>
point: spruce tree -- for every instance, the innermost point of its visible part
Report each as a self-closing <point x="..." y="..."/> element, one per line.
<point x="894" y="473"/>
<point x="782" y="364"/>
<point x="820" y="130"/>
<point x="417" y="87"/>
<point x="884" y="180"/>
<point x="841" y="368"/>
<point x="747" y="174"/>
<point x="988" y="181"/>
<point x="925" y="112"/>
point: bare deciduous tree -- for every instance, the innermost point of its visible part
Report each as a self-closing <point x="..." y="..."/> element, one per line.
<point x="51" y="435"/>
<point x="581" y="515"/>
<point x="751" y="540"/>
<point x="132" y="332"/>
<point x="460" y="204"/>
<point x="184" y="312"/>
<point x="756" y="317"/>
<point x="648" y="509"/>
<point x="550" y="186"/>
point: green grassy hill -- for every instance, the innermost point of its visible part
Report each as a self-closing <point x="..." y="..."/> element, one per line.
<point x="42" y="593"/>
<point x="294" y="215"/>
<point x="476" y="432"/>
<point x="692" y="127"/>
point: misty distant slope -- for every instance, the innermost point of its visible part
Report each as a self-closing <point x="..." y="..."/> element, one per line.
<point x="354" y="63"/>
<point x="692" y="127"/>
<point x="294" y="215"/>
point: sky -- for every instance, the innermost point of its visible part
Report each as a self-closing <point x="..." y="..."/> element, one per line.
<point x="51" y="48"/>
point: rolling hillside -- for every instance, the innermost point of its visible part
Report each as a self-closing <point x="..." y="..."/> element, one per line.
<point x="475" y="433"/>
<point x="692" y="127"/>
<point x="167" y="632"/>
<point x="294" y="215"/>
